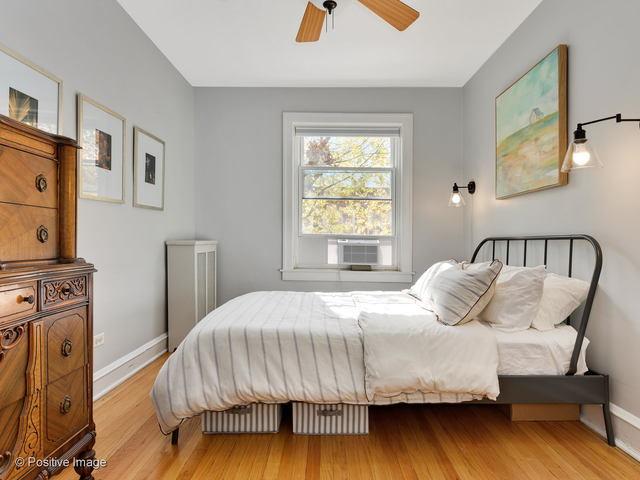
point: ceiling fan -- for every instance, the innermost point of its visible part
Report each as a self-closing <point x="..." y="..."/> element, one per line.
<point x="394" y="12"/>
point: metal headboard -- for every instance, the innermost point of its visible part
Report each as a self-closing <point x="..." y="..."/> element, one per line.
<point x="582" y="328"/>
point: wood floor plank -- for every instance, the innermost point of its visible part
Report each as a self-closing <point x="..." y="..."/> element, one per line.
<point x="274" y="458"/>
<point x="411" y="442"/>
<point x="531" y="456"/>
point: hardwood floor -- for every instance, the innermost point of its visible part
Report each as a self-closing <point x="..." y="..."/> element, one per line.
<point x="406" y="442"/>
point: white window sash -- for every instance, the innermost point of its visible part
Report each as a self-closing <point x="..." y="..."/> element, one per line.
<point x="359" y="131"/>
<point x="392" y="170"/>
<point x="338" y="235"/>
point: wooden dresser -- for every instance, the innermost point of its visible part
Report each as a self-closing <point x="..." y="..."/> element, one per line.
<point x="46" y="418"/>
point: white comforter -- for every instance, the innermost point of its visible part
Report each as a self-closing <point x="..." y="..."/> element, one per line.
<point x="276" y="347"/>
<point x="407" y="354"/>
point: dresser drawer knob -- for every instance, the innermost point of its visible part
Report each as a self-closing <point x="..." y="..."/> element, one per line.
<point x="65" y="405"/>
<point x="42" y="234"/>
<point x="28" y="299"/>
<point x="67" y="347"/>
<point x="41" y="183"/>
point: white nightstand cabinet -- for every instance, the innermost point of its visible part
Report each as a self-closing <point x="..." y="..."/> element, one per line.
<point x="191" y="285"/>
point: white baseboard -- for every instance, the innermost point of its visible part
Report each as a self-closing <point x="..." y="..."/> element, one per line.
<point x="623" y="415"/>
<point x="109" y="377"/>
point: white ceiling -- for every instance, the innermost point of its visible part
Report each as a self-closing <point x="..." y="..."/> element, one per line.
<point x="252" y="42"/>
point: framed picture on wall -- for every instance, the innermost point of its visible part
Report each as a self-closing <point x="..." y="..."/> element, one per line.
<point x="28" y="93"/>
<point x="101" y="134"/>
<point x="531" y="128"/>
<point x="148" y="170"/>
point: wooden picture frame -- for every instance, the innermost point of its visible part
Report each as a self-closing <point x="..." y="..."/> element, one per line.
<point x="32" y="83"/>
<point x="530" y="150"/>
<point x="100" y="175"/>
<point x="149" y="165"/>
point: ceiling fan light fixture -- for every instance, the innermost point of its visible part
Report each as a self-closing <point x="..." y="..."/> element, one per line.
<point x="330" y="6"/>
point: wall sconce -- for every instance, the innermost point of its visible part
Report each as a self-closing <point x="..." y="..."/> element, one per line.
<point x="580" y="153"/>
<point x="457" y="200"/>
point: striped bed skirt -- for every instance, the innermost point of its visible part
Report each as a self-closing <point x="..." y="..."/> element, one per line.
<point x="253" y="418"/>
<point x="334" y="419"/>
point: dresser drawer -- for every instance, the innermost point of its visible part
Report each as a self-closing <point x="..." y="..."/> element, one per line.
<point x="62" y="292"/>
<point x="10" y="421"/>
<point x="17" y="301"/>
<point x="28" y="233"/>
<point x="28" y="179"/>
<point x="66" y="408"/>
<point x="14" y="357"/>
<point x="65" y="341"/>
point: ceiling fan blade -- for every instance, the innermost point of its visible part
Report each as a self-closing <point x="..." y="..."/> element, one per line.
<point x="311" y="24"/>
<point x="394" y="12"/>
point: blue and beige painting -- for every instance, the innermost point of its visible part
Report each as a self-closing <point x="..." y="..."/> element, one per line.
<point x="527" y="131"/>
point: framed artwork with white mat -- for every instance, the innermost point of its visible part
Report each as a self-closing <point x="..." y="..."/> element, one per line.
<point x="28" y="93"/>
<point x="101" y="134"/>
<point x="148" y="170"/>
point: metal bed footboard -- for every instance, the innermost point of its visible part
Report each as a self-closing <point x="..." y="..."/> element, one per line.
<point x="591" y="388"/>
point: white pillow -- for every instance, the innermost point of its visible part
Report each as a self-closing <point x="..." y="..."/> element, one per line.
<point x="515" y="303"/>
<point x="560" y="297"/>
<point x="458" y="295"/>
<point x="418" y="288"/>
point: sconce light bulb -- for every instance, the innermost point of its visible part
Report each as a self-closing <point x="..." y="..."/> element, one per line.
<point x="456" y="199"/>
<point x="581" y="155"/>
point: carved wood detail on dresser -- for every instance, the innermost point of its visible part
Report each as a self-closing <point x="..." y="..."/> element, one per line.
<point x="46" y="310"/>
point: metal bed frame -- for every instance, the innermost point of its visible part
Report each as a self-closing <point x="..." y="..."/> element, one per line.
<point x="589" y="389"/>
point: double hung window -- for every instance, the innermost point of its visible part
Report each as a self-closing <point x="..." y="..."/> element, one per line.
<point x="347" y="184"/>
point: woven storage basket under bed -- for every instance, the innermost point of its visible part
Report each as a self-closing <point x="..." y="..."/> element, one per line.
<point x="334" y="419"/>
<point x="253" y="418"/>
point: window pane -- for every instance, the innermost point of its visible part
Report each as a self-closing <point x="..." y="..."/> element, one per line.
<point x="347" y="151"/>
<point x="347" y="217"/>
<point x="324" y="184"/>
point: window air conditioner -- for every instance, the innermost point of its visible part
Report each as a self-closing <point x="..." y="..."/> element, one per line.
<point x="358" y="251"/>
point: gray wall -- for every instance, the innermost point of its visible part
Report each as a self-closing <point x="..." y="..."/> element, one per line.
<point x="97" y="49"/>
<point x="604" y="74"/>
<point x="239" y="175"/>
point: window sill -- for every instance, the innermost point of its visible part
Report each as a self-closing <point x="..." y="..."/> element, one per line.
<point x="326" y="275"/>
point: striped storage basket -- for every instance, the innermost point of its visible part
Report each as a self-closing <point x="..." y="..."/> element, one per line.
<point x="254" y="418"/>
<point x="340" y="419"/>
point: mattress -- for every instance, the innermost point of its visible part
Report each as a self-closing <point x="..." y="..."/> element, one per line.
<point x="275" y="347"/>
<point x="532" y="352"/>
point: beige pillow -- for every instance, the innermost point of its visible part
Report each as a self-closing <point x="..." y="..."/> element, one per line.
<point x="418" y="289"/>
<point x="560" y="297"/>
<point x="458" y="295"/>
<point x="517" y="298"/>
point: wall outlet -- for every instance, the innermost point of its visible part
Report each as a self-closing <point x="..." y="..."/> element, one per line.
<point x="98" y="340"/>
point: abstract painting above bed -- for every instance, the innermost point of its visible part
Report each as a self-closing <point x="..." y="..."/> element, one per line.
<point x="531" y="128"/>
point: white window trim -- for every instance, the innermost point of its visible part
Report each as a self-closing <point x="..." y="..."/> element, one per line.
<point x="404" y="202"/>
